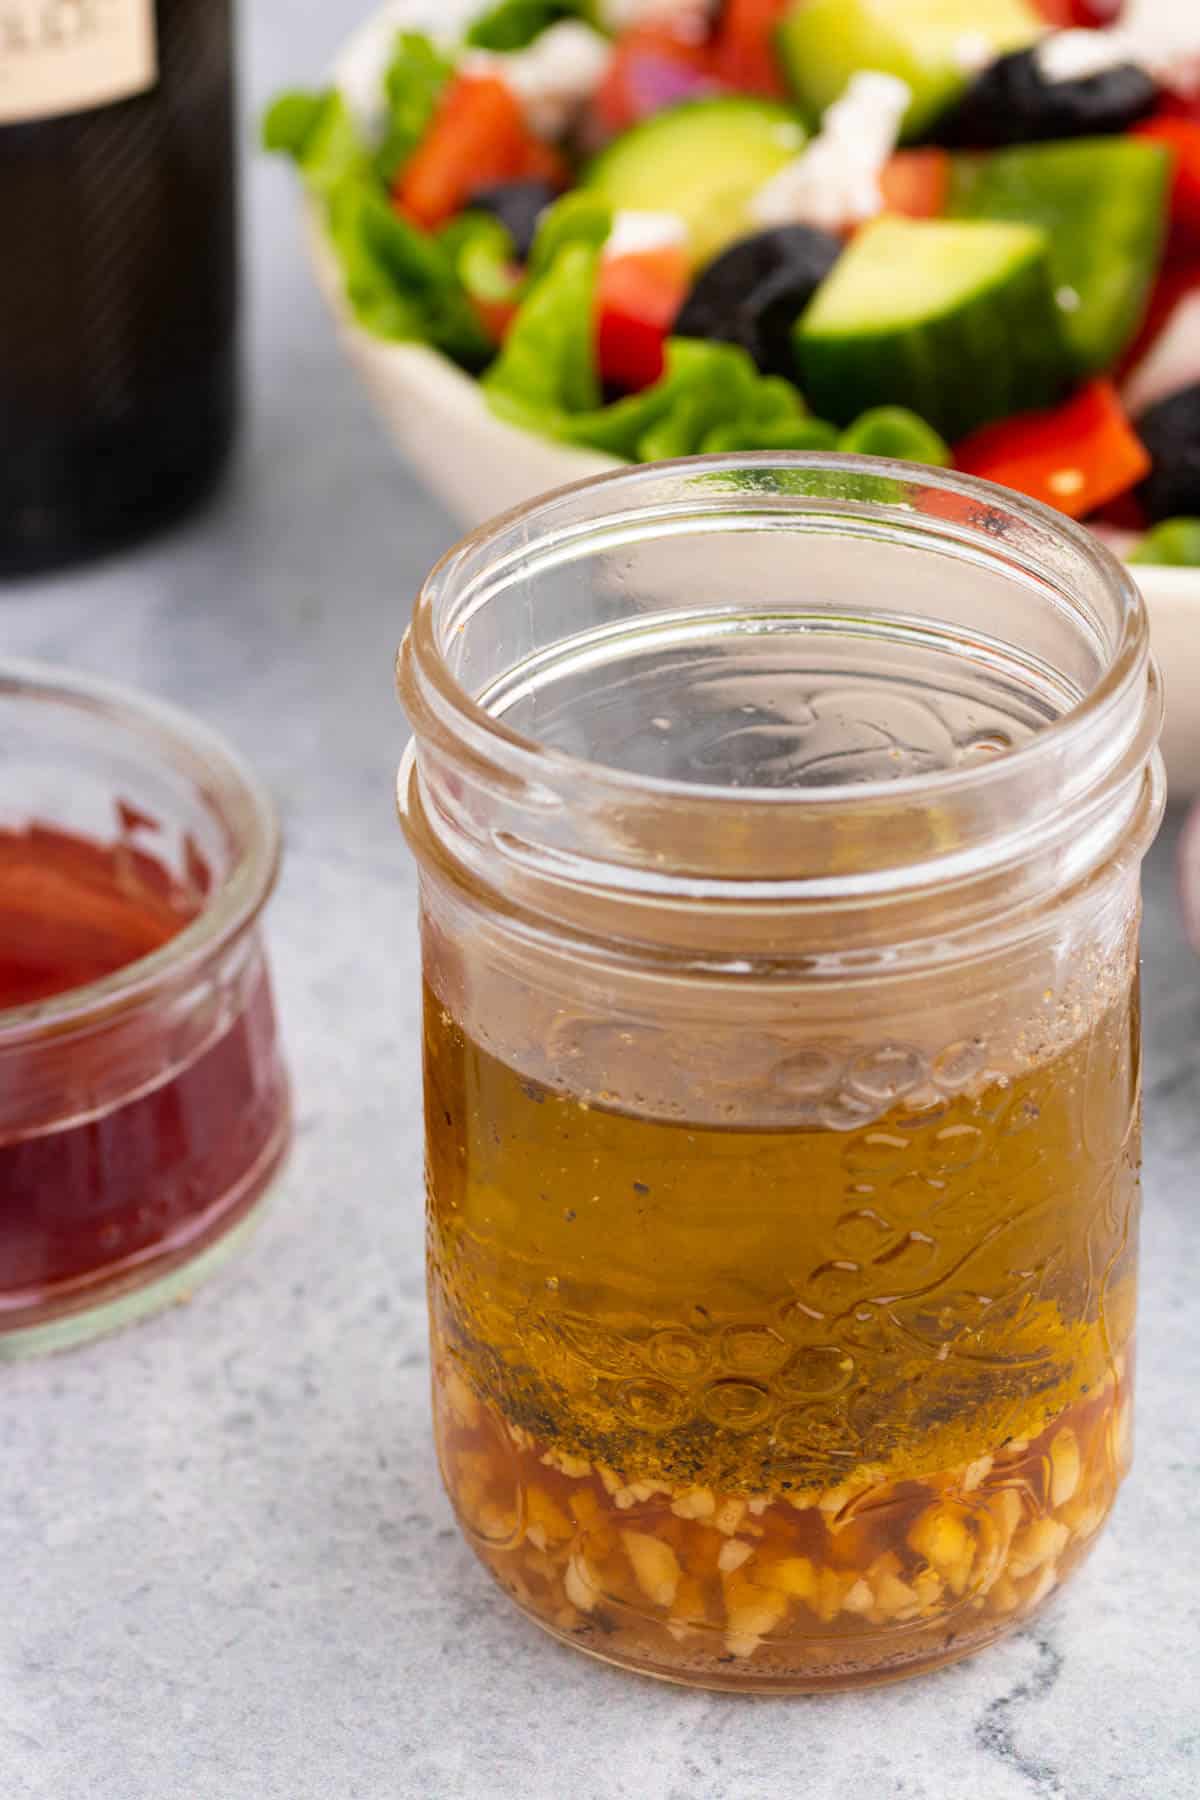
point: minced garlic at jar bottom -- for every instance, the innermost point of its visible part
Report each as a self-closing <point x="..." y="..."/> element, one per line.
<point x="856" y="1581"/>
<point x="785" y="1408"/>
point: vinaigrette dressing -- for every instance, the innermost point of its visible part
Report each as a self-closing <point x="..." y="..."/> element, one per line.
<point x="709" y="1395"/>
<point x="779" y="823"/>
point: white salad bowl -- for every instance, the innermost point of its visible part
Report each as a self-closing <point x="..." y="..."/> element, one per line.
<point x="477" y="464"/>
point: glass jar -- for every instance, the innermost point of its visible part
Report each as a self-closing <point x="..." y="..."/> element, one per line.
<point x="779" y="822"/>
<point x="143" y="1099"/>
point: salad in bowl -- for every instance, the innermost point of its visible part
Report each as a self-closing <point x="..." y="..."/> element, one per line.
<point x="568" y="232"/>
<point x="558" y="236"/>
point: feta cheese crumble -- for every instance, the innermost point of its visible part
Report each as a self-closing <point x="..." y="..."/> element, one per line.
<point x="554" y="77"/>
<point x="973" y="51"/>
<point x="1078" y="55"/>
<point x="1170" y="55"/>
<point x="834" y="181"/>
<point x="360" y="68"/>
<point x="634" y="232"/>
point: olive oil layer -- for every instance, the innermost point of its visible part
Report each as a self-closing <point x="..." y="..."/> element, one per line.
<point x="820" y="1404"/>
<point x="768" y="1310"/>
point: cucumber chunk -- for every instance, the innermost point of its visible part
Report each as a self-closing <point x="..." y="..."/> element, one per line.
<point x="956" y="321"/>
<point x="1175" y="544"/>
<point x="822" y="43"/>
<point x="703" y="160"/>
<point x="1102" y="203"/>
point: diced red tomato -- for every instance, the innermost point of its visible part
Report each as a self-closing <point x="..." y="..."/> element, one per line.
<point x="637" y="298"/>
<point x="916" y="183"/>
<point x="651" y="67"/>
<point x="1182" y="138"/>
<point x="744" y="54"/>
<point x="478" y="138"/>
<point x="1095" y="13"/>
<point x="1076" y="457"/>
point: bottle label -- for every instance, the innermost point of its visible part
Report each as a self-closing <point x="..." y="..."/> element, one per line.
<point x="66" y="56"/>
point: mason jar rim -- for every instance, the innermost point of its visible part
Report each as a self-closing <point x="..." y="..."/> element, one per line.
<point x="539" y="826"/>
<point x="1127" y="663"/>
<point x="175" y="738"/>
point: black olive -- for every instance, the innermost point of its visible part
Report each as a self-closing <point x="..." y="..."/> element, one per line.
<point x="753" y="293"/>
<point x="1170" y="430"/>
<point x="518" y="205"/>
<point x="1012" y="102"/>
<point x="767" y="319"/>
<point x="723" y="283"/>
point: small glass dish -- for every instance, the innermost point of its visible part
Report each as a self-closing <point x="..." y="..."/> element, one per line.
<point x="144" y="1105"/>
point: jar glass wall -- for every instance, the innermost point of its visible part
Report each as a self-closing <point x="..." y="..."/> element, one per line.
<point x="143" y="1099"/>
<point x="779" y="821"/>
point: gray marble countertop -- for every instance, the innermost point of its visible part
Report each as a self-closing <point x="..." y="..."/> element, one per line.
<point x="227" y="1570"/>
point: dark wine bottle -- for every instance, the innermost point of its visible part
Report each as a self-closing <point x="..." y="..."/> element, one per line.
<point x="118" y="280"/>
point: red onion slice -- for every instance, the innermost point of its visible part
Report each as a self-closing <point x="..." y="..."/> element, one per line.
<point x="653" y="82"/>
<point x="1172" y="360"/>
